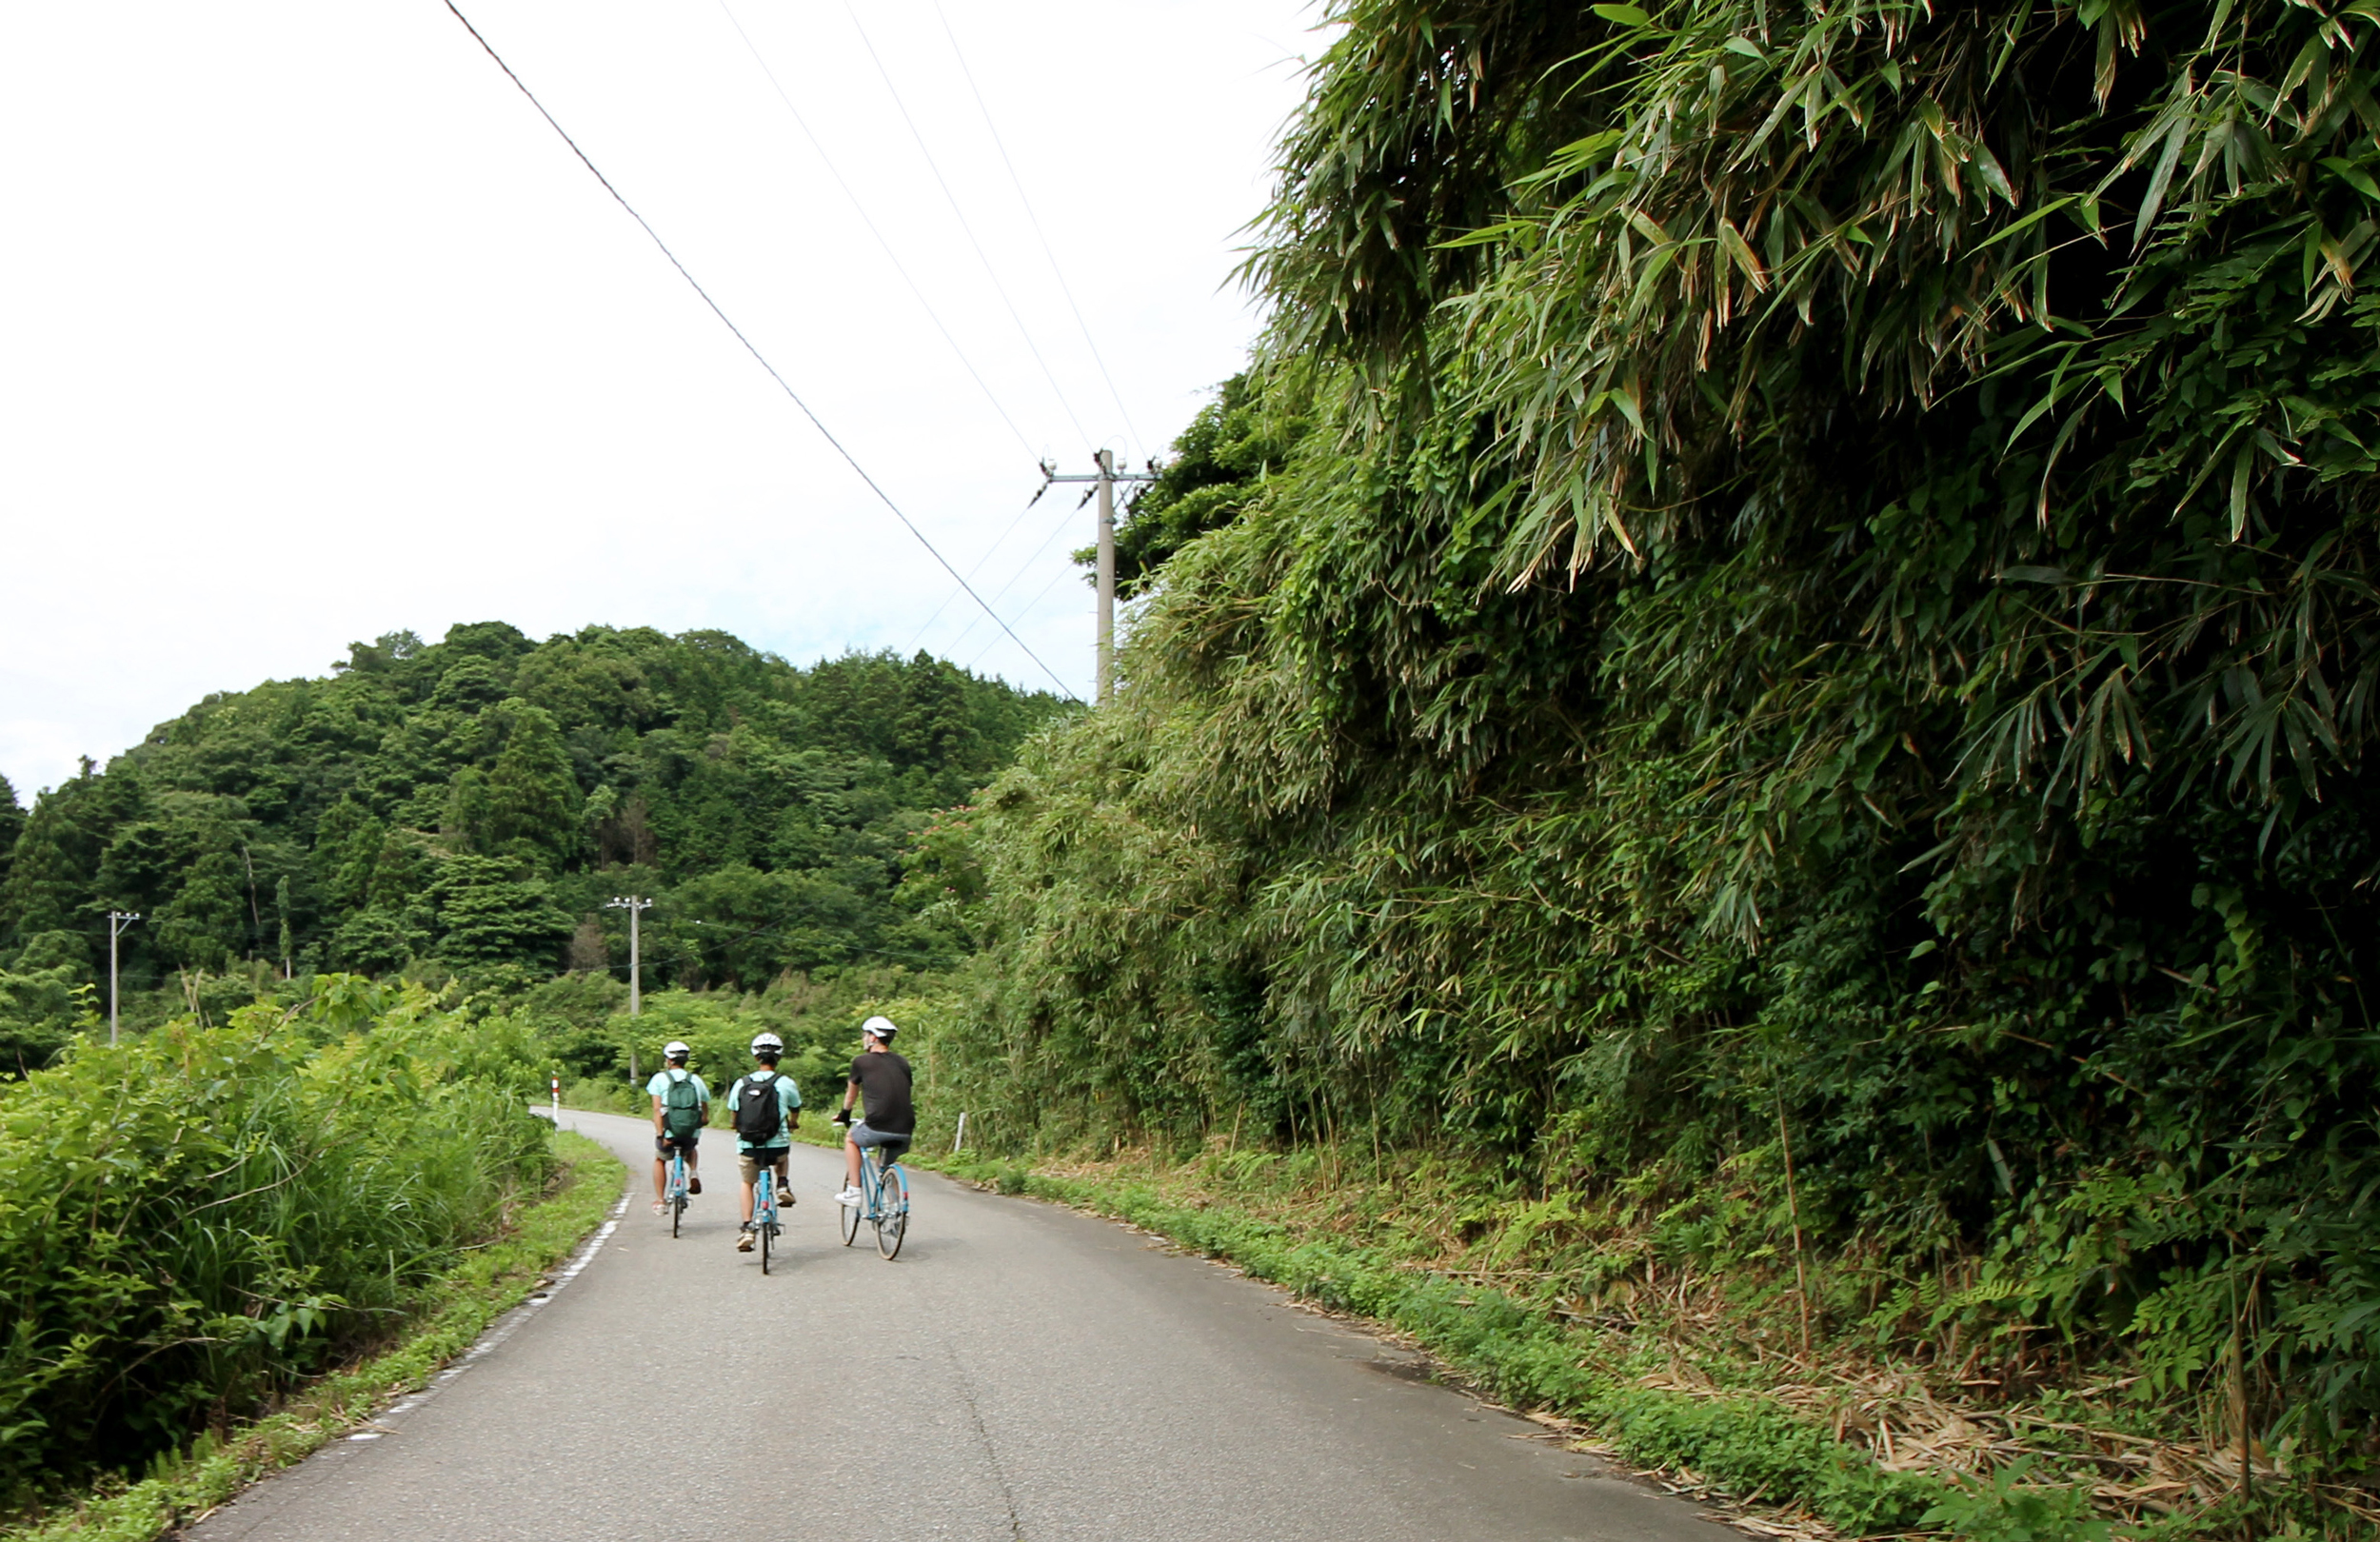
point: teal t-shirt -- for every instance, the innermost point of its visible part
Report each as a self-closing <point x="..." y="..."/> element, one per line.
<point x="789" y="1099"/>
<point x="659" y="1087"/>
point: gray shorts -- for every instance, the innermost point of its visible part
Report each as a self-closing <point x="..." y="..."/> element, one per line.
<point x="861" y="1135"/>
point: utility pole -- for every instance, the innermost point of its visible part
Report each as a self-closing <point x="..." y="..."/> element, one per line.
<point x="1108" y="575"/>
<point x="1105" y="477"/>
<point x="117" y="921"/>
<point x="636" y="908"/>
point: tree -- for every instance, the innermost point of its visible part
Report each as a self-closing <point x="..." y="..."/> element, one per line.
<point x="490" y="913"/>
<point x="11" y="825"/>
<point x="1218" y="464"/>
<point x="380" y="656"/>
<point x="56" y="859"/>
<point x="932" y="728"/>
<point x="346" y="848"/>
<point x="532" y="796"/>
<point x="40" y="999"/>
<point x="380" y="941"/>
<point x="467" y="823"/>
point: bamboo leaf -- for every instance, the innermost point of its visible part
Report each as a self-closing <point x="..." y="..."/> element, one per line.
<point x="2242" y="463"/>
<point x="2167" y="158"/>
<point x="2354" y="175"/>
<point x="2021" y="226"/>
<point x="1732" y="241"/>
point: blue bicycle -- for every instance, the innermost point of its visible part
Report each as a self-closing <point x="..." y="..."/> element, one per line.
<point x="676" y="1196"/>
<point x="883" y="1200"/>
<point x="765" y="1212"/>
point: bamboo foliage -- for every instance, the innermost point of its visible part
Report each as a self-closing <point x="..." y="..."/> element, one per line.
<point x="1833" y="570"/>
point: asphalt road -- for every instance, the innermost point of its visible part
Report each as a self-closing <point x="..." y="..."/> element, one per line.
<point x="1022" y="1372"/>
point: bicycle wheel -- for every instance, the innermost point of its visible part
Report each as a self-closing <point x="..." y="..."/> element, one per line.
<point x="892" y="1213"/>
<point x="676" y="1212"/>
<point x="765" y="1217"/>
<point x="847" y="1217"/>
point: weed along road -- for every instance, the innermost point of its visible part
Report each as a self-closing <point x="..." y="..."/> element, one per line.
<point x="1022" y="1372"/>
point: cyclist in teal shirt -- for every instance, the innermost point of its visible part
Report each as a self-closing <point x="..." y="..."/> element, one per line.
<point x="682" y="1105"/>
<point x="766" y="1107"/>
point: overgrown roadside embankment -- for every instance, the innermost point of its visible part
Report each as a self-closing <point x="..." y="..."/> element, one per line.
<point x="485" y="1283"/>
<point x="1838" y="1444"/>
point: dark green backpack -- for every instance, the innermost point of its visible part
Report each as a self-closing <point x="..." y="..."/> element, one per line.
<point x="681" y="1108"/>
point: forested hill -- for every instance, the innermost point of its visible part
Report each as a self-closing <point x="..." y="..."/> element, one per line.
<point x="473" y="803"/>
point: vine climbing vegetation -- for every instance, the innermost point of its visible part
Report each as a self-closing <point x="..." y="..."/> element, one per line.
<point x="1819" y="596"/>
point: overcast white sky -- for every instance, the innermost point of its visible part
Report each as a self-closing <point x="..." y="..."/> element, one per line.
<point x="310" y="329"/>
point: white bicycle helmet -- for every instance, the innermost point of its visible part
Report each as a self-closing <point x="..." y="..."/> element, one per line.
<point x="677" y="1049"/>
<point x="767" y="1040"/>
<point x="882" y="1028"/>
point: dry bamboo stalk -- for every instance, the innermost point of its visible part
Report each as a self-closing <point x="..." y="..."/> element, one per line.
<point x="1792" y="1209"/>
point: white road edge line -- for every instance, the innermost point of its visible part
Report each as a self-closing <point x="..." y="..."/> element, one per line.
<point x="505" y="1326"/>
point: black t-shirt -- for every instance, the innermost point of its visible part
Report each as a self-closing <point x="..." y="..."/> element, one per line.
<point x="883" y="1081"/>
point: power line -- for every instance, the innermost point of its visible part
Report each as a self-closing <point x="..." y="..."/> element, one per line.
<point x="1018" y="183"/>
<point x="989" y="552"/>
<point x="1026" y="566"/>
<point x="861" y="210"/>
<point x="760" y="358"/>
<point x="981" y="256"/>
<point x="1001" y="592"/>
<point x="1030" y="607"/>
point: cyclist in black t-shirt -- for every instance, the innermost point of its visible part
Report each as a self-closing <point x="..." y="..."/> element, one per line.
<point x="879" y="1079"/>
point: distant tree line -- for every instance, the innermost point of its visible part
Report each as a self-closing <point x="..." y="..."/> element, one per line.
<point x="470" y="804"/>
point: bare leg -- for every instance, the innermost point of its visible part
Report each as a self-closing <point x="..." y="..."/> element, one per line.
<point x="661" y="1179"/>
<point x="852" y="1163"/>
<point x="778" y="1167"/>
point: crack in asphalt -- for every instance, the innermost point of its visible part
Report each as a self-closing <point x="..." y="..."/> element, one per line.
<point x="984" y="1434"/>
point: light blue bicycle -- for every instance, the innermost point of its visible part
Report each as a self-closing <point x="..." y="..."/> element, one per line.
<point x="764" y="1211"/>
<point x="883" y="1201"/>
<point x="676" y="1196"/>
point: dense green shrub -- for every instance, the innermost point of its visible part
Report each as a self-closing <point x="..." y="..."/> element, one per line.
<point x="194" y="1220"/>
<point x="1827" y="609"/>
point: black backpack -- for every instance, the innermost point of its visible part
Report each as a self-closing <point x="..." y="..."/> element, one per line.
<point x="758" y="1118"/>
<point x="681" y="1108"/>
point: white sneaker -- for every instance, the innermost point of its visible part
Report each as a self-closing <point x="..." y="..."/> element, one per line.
<point x="850" y="1196"/>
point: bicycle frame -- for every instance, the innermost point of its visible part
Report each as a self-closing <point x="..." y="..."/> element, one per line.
<point x="890" y="1217"/>
<point x="677" y="1194"/>
<point x="765" y="1219"/>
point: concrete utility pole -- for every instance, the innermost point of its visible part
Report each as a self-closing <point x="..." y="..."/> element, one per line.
<point x="636" y="908"/>
<point x="1107" y="575"/>
<point x="117" y="921"/>
<point x="1106" y="477"/>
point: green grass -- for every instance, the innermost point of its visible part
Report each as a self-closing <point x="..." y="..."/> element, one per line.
<point x="487" y="1282"/>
